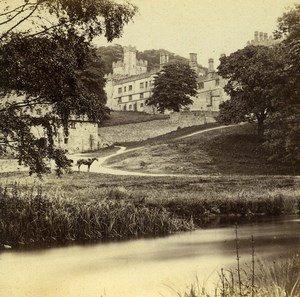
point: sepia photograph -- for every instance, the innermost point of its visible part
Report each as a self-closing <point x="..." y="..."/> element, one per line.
<point x="149" y="148"/>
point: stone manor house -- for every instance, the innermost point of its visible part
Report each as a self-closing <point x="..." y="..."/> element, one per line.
<point x="130" y="84"/>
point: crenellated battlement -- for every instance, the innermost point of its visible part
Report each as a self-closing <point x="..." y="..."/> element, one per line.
<point x="262" y="38"/>
<point x="130" y="65"/>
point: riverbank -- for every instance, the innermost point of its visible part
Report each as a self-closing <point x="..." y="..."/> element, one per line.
<point x="259" y="278"/>
<point x="145" y="267"/>
<point x="85" y="206"/>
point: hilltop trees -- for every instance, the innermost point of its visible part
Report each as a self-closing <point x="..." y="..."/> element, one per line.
<point x="47" y="59"/>
<point x="173" y="86"/>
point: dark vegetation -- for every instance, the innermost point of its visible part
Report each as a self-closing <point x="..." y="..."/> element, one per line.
<point x="264" y="84"/>
<point x="35" y="216"/>
<point x="52" y="70"/>
<point x="173" y="87"/>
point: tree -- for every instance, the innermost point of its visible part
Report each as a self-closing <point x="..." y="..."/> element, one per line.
<point x="256" y="76"/>
<point x="173" y="86"/>
<point x="283" y="129"/>
<point x="51" y="63"/>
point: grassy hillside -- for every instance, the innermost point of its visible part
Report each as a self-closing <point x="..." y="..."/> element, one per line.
<point x="233" y="150"/>
<point x="131" y="117"/>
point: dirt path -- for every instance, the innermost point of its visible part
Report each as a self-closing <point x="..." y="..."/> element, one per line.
<point x="99" y="166"/>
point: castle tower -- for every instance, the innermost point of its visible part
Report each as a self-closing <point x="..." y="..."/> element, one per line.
<point x="164" y="59"/>
<point x="129" y="60"/>
<point x="256" y="37"/>
<point x="261" y="36"/>
<point x="193" y="62"/>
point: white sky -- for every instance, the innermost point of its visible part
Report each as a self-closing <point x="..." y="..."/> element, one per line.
<point x="206" y="27"/>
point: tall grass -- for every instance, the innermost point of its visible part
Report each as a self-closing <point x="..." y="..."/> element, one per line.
<point x="280" y="279"/>
<point x="34" y="217"/>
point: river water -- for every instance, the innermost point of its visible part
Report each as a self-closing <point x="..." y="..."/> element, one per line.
<point x="144" y="267"/>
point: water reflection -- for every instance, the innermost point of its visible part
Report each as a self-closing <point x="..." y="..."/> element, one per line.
<point x="145" y="267"/>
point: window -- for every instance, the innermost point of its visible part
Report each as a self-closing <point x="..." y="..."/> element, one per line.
<point x="141" y="95"/>
<point x="130" y="107"/>
<point x="208" y="99"/>
<point x="124" y="89"/>
<point x="130" y="88"/>
<point x="146" y="84"/>
<point x="72" y="125"/>
<point x="39" y="111"/>
<point x="130" y="97"/>
<point x="141" y="85"/>
<point x="66" y="140"/>
<point x="142" y="105"/>
<point x="120" y="100"/>
<point x="217" y="82"/>
<point x="119" y="90"/>
<point x="201" y="85"/>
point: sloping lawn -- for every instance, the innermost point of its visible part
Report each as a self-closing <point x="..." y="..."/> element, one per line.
<point x="233" y="150"/>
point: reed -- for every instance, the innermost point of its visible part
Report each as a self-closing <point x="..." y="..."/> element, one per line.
<point x="31" y="217"/>
<point x="278" y="279"/>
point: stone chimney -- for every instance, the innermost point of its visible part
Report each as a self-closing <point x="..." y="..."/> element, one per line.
<point x="211" y="65"/>
<point x="164" y="59"/>
<point x="261" y="36"/>
<point x="193" y="62"/>
<point x="256" y="36"/>
<point x="193" y="57"/>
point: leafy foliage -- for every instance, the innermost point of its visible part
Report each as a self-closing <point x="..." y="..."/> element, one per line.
<point x="51" y="66"/>
<point x="283" y="130"/>
<point x="173" y="86"/>
<point x="256" y="76"/>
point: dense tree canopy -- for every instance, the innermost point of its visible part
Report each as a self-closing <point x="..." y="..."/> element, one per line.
<point x="256" y="76"/>
<point x="173" y="87"/>
<point x="283" y="130"/>
<point x="47" y="60"/>
<point x="264" y="85"/>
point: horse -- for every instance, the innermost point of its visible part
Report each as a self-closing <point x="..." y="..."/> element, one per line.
<point x="87" y="162"/>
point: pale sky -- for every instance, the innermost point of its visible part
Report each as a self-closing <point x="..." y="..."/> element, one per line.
<point x="206" y="27"/>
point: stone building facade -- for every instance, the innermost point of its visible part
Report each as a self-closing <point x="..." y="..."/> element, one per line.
<point x="129" y="88"/>
<point x="130" y="84"/>
<point x="210" y="91"/>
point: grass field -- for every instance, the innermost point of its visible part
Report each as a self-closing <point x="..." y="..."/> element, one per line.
<point x="230" y="151"/>
<point x="237" y="182"/>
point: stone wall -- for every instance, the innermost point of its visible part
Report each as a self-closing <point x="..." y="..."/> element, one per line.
<point x="145" y="130"/>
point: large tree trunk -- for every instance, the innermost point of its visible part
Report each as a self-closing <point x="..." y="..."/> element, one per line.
<point x="261" y="125"/>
